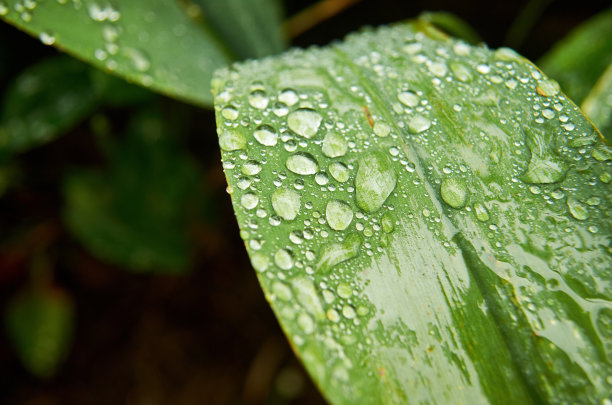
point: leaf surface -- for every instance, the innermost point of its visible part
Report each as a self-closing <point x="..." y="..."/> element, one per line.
<point x="429" y="220"/>
<point x="154" y="43"/>
<point x="598" y="104"/>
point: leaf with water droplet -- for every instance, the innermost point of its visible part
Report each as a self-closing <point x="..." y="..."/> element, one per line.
<point x="442" y="220"/>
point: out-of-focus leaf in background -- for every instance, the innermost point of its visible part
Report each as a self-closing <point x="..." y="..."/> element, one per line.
<point x="598" y="104"/>
<point x="136" y="212"/>
<point x="578" y="60"/>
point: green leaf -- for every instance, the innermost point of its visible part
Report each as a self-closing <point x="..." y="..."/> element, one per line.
<point x="452" y="25"/>
<point x="252" y="28"/>
<point x="135" y="213"/>
<point x="429" y="220"/>
<point x="39" y="323"/>
<point x="598" y="104"/>
<point x="581" y="58"/>
<point x="153" y="43"/>
<point x="43" y="102"/>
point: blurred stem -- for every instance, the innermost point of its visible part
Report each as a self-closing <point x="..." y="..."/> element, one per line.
<point x="524" y="22"/>
<point x="314" y="15"/>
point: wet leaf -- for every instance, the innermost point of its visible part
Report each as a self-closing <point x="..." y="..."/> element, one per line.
<point x="580" y="59"/>
<point x="252" y="28"/>
<point x="135" y="213"/>
<point x="598" y="104"/>
<point x="153" y="43"/>
<point x="438" y="230"/>
<point x="39" y="323"/>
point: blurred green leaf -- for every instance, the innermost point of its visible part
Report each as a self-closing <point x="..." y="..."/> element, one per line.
<point x="153" y="42"/>
<point x="39" y="323"/>
<point x="252" y="28"/>
<point x="577" y="61"/>
<point x="43" y="102"/>
<point x="598" y="104"/>
<point x="429" y="220"/>
<point x="452" y="25"/>
<point x="136" y="213"/>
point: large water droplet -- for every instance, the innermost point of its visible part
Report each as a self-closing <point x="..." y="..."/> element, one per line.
<point x="374" y="182"/>
<point x="307" y="296"/>
<point x="249" y="201"/>
<point x="229" y="113"/>
<point x="260" y="261"/>
<point x="266" y="135"/>
<point x="302" y="163"/>
<point x="454" y="192"/>
<point x="381" y="129"/>
<point x="418" y="123"/>
<point x="577" y="209"/>
<point x="289" y="97"/>
<point x="335" y="253"/>
<point x="481" y="212"/>
<point x="281" y="291"/>
<point x="305" y="323"/>
<point x="283" y="259"/>
<point x="251" y="167"/>
<point x="408" y="98"/>
<point x="304" y="122"/>
<point x="258" y="99"/>
<point x="548" y="88"/>
<point x="232" y="140"/>
<point x="544" y="170"/>
<point x="339" y="172"/>
<point x="334" y="145"/>
<point x="338" y="214"/>
<point x="286" y="203"/>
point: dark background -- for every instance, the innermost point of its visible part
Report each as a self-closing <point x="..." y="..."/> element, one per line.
<point x="207" y="336"/>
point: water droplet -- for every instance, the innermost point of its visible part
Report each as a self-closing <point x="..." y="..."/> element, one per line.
<point x="139" y="59"/>
<point x="577" y="209"/>
<point x="251" y="168"/>
<point x="333" y="315"/>
<point x="374" y="182"/>
<point x="230" y="140"/>
<point x="289" y="97"/>
<point x="602" y="153"/>
<point x="548" y="87"/>
<point x="229" y="113"/>
<point x="593" y="201"/>
<point x="3" y="8"/>
<point x="335" y="253"/>
<point x="304" y="122"/>
<point x="283" y="259"/>
<point x="302" y="163"/>
<point x="408" y="98"/>
<point x="286" y="203"/>
<point x="484" y="69"/>
<point x="258" y="99"/>
<point x="280" y="109"/>
<point x="305" y="323"/>
<point x="348" y="312"/>
<point x="266" y="135"/>
<point x="418" y="123"/>
<point x="557" y="194"/>
<point x="338" y="214"/>
<point x="481" y="212"/>
<point x="47" y="38"/>
<point x="388" y="222"/>
<point x="296" y="237"/>
<point x="307" y="296"/>
<point x="334" y="145"/>
<point x="438" y="69"/>
<point x="381" y="129"/>
<point x="260" y="262"/>
<point x="454" y="192"/>
<point x="339" y="172"/>
<point x="321" y="178"/>
<point x="281" y="291"/>
<point x="344" y="290"/>
<point x="544" y="169"/>
<point x="249" y="201"/>
<point x="461" y="71"/>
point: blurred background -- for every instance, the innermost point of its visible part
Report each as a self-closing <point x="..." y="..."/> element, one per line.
<point x="123" y="278"/>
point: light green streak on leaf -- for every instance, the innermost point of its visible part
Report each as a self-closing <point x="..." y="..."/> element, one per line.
<point x="252" y="28"/>
<point x="471" y="281"/>
<point x="578" y="60"/>
<point x="598" y="104"/>
<point x="134" y="213"/>
<point x="152" y="43"/>
<point x="452" y="25"/>
<point x="39" y="324"/>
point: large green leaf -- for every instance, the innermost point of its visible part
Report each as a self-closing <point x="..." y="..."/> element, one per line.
<point x="154" y="43"/>
<point x="598" y="104"/>
<point x="429" y="220"/>
<point x="252" y="28"/>
<point x="579" y="60"/>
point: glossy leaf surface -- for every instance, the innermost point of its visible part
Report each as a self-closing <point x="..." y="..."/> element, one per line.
<point x="429" y="220"/>
<point x="154" y="43"/>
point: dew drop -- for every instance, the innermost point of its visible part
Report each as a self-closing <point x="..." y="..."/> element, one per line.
<point x="280" y="109"/>
<point x="381" y="129"/>
<point x="348" y="312"/>
<point x="408" y="98"/>
<point x="374" y="182"/>
<point x="47" y="38"/>
<point x="281" y="291"/>
<point x="548" y="87"/>
<point x="251" y="168"/>
<point x="338" y="214"/>
<point x="336" y="253"/>
<point x="230" y="140"/>
<point x="577" y="209"/>
<point x="266" y="135"/>
<point x="387" y="222"/>
<point x="418" y="124"/>
<point x="454" y="192"/>
<point x="249" y="201"/>
<point x="302" y="163"/>
<point x="305" y="323"/>
<point x="258" y="99"/>
<point x="260" y="262"/>
<point x="283" y="259"/>
<point x="289" y="97"/>
<point x="344" y="290"/>
<point x="481" y="212"/>
<point x="229" y="113"/>
<point x="339" y="172"/>
<point x="304" y="122"/>
<point x="321" y="178"/>
<point x="138" y="59"/>
<point x="286" y="203"/>
<point x="334" y="145"/>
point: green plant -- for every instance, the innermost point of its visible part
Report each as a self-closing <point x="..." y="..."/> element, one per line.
<point x="428" y="218"/>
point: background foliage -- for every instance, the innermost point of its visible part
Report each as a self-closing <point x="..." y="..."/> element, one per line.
<point x="122" y="275"/>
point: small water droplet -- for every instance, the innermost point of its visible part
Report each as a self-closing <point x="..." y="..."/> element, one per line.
<point x="321" y="178"/>
<point x="481" y="212"/>
<point x="335" y="253"/>
<point x="548" y="88"/>
<point x="454" y="192"/>
<point x="47" y="38"/>
<point x="305" y="323"/>
<point x="280" y="109"/>
<point x="258" y="99"/>
<point x="302" y="163"/>
<point x="266" y="135"/>
<point x="231" y="139"/>
<point x="230" y="113"/>
<point x="374" y="182"/>
<point x="408" y="98"/>
<point x="286" y="203"/>
<point x="438" y="69"/>
<point x="338" y="214"/>
<point x="344" y="290"/>
<point x="283" y="259"/>
<point x="334" y="145"/>
<point x="304" y="122"/>
<point x="296" y="237"/>
<point x="484" y="69"/>
<point x="249" y="201"/>
<point x="418" y="124"/>
<point x="260" y="262"/>
<point x="388" y="222"/>
<point x="339" y="172"/>
<point x="289" y="97"/>
<point x="138" y="58"/>
<point x="381" y="129"/>
<point x="251" y="167"/>
<point x="577" y="209"/>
